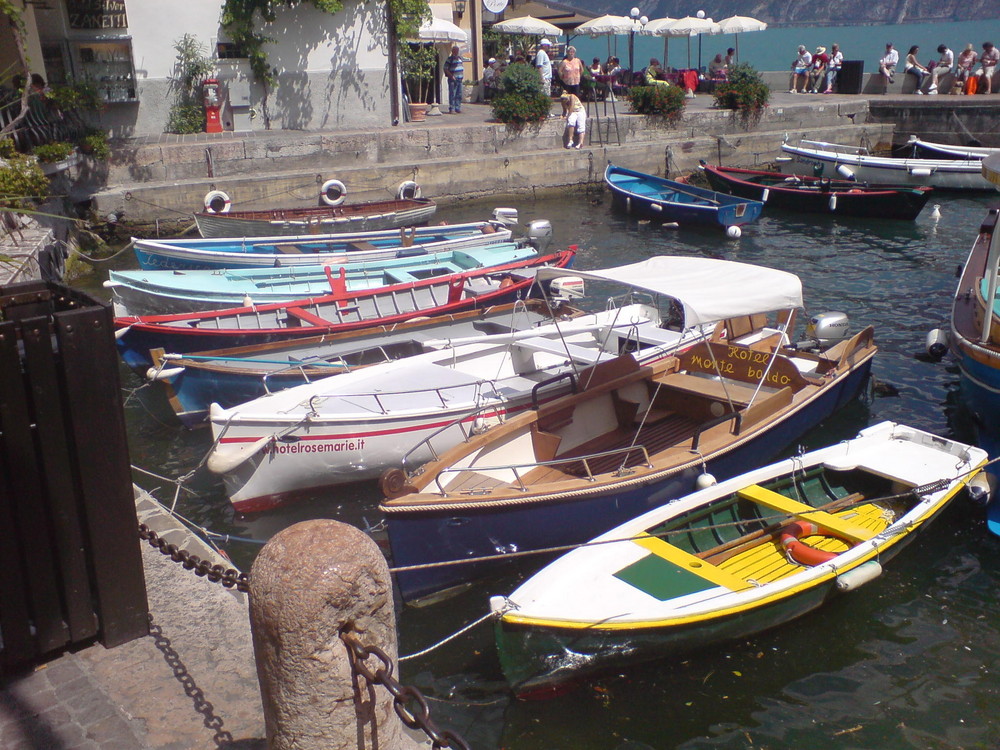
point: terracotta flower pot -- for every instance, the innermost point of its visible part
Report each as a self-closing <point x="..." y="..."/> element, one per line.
<point x="418" y="112"/>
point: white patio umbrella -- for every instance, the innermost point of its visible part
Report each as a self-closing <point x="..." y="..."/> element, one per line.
<point x="659" y="27"/>
<point x="605" y="26"/>
<point x="527" y="25"/>
<point x="690" y="26"/>
<point x="440" y="30"/>
<point x="737" y="25"/>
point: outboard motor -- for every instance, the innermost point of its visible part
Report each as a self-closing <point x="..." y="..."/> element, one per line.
<point x="539" y="234"/>
<point x="825" y="330"/>
<point x="505" y="216"/>
<point x="565" y="288"/>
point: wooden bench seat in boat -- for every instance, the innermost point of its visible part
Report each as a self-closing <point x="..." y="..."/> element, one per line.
<point x="730" y="390"/>
<point x="691" y="564"/>
<point x="289" y="249"/>
<point x="770" y="499"/>
<point x="361" y="245"/>
<point x="654" y="437"/>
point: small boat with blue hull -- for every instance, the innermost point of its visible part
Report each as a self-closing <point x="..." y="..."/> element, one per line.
<point x="229" y="377"/>
<point x="922" y="149"/>
<point x="167" y="292"/>
<point x="633" y="437"/>
<point x="668" y="200"/>
<point x="182" y="333"/>
<point x="730" y="560"/>
<point x="311" y="250"/>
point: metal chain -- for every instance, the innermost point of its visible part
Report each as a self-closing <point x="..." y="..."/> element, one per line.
<point x="403" y="695"/>
<point x="228" y="577"/>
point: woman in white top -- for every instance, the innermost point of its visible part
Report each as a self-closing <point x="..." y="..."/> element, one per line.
<point x="833" y="67"/>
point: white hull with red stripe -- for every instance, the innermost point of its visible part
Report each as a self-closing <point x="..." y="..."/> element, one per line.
<point x="355" y="425"/>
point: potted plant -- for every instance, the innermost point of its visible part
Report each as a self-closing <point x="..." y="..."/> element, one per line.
<point x="418" y="63"/>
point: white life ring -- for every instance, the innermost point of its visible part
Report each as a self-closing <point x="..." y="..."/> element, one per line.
<point x="217" y="202"/>
<point x="333" y="192"/>
<point x="408" y="190"/>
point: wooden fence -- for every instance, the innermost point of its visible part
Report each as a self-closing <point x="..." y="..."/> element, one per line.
<point x="69" y="545"/>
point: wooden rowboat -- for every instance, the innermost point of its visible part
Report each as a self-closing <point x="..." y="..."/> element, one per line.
<point x="731" y="560"/>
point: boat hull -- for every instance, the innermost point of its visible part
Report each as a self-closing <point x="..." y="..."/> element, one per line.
<point x="839" y="199"/>
<point x="667" y="200"/>
<point x="363" y="217"/>
<point x="879" y="170"/>
<point x="449" y="534"/>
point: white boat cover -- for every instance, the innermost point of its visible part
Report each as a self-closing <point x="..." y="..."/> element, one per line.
<point x="710" y="290"/>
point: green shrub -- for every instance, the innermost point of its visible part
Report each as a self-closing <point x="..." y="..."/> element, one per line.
<point x="186" y="117"/>
<point x="7" y="148"/>
<point x="76" y="96"/>
<point x="521" y="100"/>
<point x="744" y="92"/>
<point x="95" y="143"/>
<point x="667" y="101"/>
<point x="21" y="182"/>
<point x="50" y="153"/>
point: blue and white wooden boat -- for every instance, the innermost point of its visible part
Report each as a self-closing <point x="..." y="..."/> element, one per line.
<point x="308" y="250"/>
<point x="731" y="560"/>
<point x="634" y="437"/>
<point x="923" y="149"/>
<point x="229" y="377"/>
<point x="669" y="200"/>
<point x="168" y="292"/>
<point x="820" y="159"/>
<point x="137" y="336"/>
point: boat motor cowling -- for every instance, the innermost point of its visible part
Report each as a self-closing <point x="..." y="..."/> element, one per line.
<point x="824" y="330"/>
<point x="505" y="216"/>
<point x="539" y="234"/>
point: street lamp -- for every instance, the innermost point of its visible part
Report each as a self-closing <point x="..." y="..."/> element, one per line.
<point x="642" y="21"/>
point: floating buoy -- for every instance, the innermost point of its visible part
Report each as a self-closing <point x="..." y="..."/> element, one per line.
<point x="217" y="202"/>
<point x="936" y="343"/>
<point x="734" y="232"/>
<point x="704" y="481"/>
<point x="833" y="203"/>
<point x="656" y="207"/>
<point x="845" y="171"/>
<point x="936" y="212"/>
<point x="333" y="192"/>
<point x="408" y="190"/>
<point x="765" y="195"/>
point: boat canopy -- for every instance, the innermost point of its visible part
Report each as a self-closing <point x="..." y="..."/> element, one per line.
<point x="710" y="290"/>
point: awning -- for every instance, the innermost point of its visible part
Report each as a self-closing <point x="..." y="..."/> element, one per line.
<point x="710" y="290"/>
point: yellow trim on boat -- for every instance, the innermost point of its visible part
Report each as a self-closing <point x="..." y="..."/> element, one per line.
<point x="771" y="499"/>
<point x="690" y="563"/>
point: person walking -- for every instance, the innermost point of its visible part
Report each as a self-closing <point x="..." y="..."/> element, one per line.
<point x="454" y="71"/>
<point x="544" y="65"/>
<point x="943" y="67"/>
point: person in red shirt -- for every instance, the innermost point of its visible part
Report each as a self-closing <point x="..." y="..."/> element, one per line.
<point x="817" y="73"/>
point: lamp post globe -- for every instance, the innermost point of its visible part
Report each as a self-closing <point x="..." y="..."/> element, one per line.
<point x="634" y="13"/>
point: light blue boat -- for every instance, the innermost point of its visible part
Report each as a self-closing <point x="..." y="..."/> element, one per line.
<point x="167" y="292"/>
<point x="309" y="250"/>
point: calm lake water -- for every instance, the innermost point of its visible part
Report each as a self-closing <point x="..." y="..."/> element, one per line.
<point x="908" y="661"/>
<point x="775" y="48"/>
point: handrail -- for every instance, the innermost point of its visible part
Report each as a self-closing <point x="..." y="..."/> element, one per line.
<point x="553" y="462"/>
<point x="538" y="386"/>
<point x="716" y="421"/>
<point x="460" y="421"/>
<point x="370" y="394"/>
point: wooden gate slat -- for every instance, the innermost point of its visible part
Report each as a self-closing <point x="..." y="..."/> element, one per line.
<point x="50" y="408"/>
<point x="18" y="643"/>
<point x="90" y="363"/>
<point x="32" y="525"/>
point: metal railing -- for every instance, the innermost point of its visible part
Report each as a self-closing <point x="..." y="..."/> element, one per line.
<point x="377" y="397"/>
<point x="459" y="422"/>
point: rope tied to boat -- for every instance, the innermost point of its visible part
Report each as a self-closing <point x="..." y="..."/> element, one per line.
<point x="508" y="605"/>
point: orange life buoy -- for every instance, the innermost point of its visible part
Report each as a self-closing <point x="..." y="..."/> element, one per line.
<point x="800" y="552"/>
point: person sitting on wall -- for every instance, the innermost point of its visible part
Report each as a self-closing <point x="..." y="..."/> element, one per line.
<point x="913" y="67"/>
<point x="987" y="67"/>
<point x="963" y="68"/>
<point x="943" y="67"/>
<point x="887" y="65"/>
<point x="800" y="70"/>
<point x="833" y="67"/>
<point x="817" y="72"/>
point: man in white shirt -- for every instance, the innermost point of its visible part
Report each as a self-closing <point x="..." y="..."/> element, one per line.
<point x="943" y="67"/>
<point x="887" y="65"/>
<point x="544" y="65"/>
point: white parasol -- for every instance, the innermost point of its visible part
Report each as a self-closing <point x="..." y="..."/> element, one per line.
<point x="660" y="27"/>
<point x="690" y="26"/>
<point x="527" y="25"/>
<point x="440" y="30"/>
<point x="605" y="26"/>
<point x="737" y="25"/>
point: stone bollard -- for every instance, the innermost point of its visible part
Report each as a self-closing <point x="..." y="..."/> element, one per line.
<point x="309" y="583"/>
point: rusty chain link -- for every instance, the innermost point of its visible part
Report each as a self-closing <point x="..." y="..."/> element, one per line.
<point x="228" y="577"/>
<point x="403" y="695"/>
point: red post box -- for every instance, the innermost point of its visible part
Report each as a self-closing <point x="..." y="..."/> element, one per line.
<point x="213" y="106"/>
